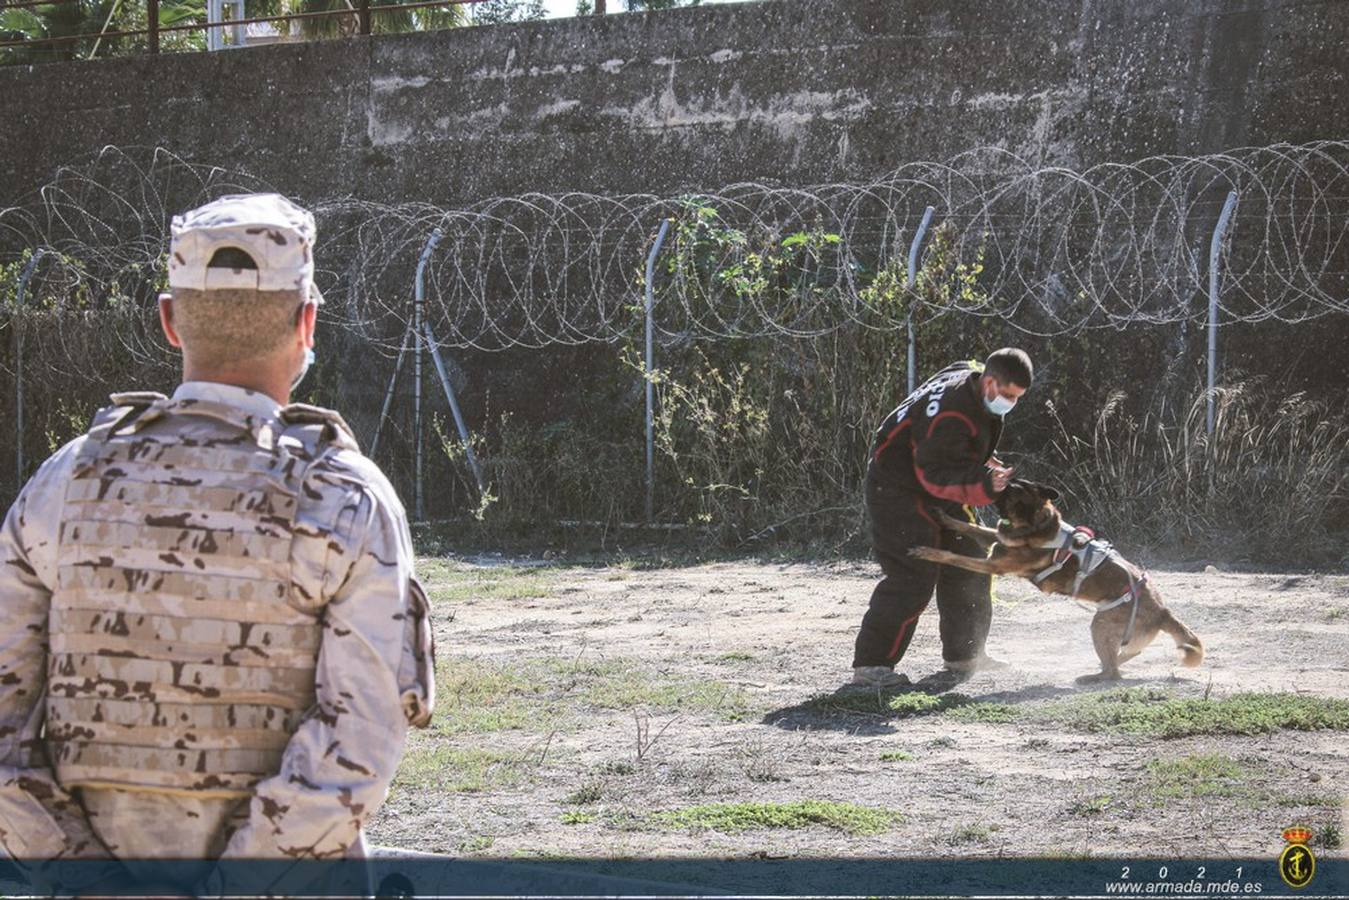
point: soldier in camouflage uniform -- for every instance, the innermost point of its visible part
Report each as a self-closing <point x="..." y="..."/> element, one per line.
<point x="211" y="639"/>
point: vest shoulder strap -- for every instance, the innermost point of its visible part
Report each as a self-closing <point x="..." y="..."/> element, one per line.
<point x="316" y="426"/>
<point x="125" y="407"/>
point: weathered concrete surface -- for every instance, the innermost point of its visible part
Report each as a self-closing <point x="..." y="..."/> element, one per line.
<point x="793" y="91"/>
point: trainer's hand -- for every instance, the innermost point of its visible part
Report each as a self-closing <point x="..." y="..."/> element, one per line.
<point x="1002" y="476"/>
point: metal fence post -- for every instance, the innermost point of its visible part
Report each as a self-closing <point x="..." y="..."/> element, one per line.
<point x="911" y="281"/>
<point x="650" y="371"/>
<point x="363" y="11"/>
<point x="388" y="394"/>
<point x="418" y="301"/>
<point x="454" y="409"/>
<point x="152" y="14"/>
<point x="26" y="274"/>
<point x="1214" y="251"/>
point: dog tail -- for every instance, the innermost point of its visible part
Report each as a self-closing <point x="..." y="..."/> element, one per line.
<point x="1191" y="648"/>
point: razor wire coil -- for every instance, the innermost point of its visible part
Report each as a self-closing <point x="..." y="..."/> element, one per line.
<point x="1048" y="250"/>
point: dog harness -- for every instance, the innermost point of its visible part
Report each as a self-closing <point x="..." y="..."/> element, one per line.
<point x="1090" y="552"/>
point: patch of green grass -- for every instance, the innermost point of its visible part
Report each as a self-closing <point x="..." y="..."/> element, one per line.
<point x="622" y="684"/>
<point x="477" y="843"/>
<point x="447" y="581"/>
<point x="577" y="818"/>
<point x="1153" y="712"/>
<point x="917" y="703"/>
<point x="429" y="766"/>
<point x="1328" y="836"/>
<point x="1090" y="806"/>
<point x="736" y="656"/>
<point x="737" y="817"/>
<point x="945" y="741"/>
<point x="616" y="767"/>
<point x="912" y="703"/>
<point x="897" y="756"/>
<point x="984" y="711"/>
<point x="479" y="696"/>
<point x="970" y="834"/>
<point x="590" y="792"/>
<point x="1316" y="800"/>
<point x="1148" y="712"/>
<point x="1335" y="612"/>
<point x="1197" y="776"/>
<point x="475" y="696"/>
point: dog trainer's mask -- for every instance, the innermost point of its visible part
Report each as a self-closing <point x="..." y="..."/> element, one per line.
<point x="1028" y="515"/>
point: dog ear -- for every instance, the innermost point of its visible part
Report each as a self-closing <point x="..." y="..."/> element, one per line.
<point x="1041" y="491"/>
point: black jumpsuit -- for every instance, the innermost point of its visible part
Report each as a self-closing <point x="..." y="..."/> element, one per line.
<point x="931" y="452"/>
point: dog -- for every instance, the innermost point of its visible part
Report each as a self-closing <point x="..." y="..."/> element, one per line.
<point x="1033" y="541"/>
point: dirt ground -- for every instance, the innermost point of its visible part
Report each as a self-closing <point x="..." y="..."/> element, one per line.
<point x="578" y="704"/>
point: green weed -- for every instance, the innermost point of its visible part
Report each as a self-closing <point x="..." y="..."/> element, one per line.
<point x="897" y="756"/>
<point x="911" y="703"/>
<point x="622" y="684"/>
<point x="1200" y="775"/>
<point x="434" y="767"/>
<point x="590" y="792"/>
<point x="1314" y="800"/>
<point x="479" y="696"/>
<point x="475" y="696"/>
<point x="1152" y="712"/>
<point x="737" y="817"/>
<point x="1148" y="712"/>
<point x="1090" y="806"/>
<point x="970" y="834"/>
<point x="477" y="843"/>
<point x="617" y="767"/>
<point x="447" y="581"/>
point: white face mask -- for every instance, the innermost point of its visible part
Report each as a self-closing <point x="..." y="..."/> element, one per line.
<point x="999" y="405"/>
<point x="304" y="368"/>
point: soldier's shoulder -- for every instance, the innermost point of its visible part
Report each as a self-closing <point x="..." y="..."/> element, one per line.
<point x="338" y="463"/>
<point x="350" y="464"/>
<point x="57" y="468"/>
<point x="317" y="427"/>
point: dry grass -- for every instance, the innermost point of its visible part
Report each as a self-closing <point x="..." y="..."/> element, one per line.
<point x="1270" y="482"/>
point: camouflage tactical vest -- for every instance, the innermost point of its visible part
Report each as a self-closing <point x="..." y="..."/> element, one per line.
<point x="181" y="657"/>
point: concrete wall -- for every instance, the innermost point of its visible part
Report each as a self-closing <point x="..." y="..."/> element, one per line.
<point x="794" y="91"/>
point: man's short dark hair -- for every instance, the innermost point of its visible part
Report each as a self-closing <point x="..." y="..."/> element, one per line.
<point x="1010" y="365"/>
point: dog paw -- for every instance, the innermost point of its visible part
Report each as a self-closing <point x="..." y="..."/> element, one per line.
<point x="924" y="552"/>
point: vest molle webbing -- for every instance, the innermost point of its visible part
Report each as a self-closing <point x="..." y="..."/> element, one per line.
<point x="177" y="663"/>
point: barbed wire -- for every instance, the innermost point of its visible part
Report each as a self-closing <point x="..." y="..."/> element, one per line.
<point x="1048" y="250"/>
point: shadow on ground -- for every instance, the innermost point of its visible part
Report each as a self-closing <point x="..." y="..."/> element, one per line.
<point x="870" y="711"/>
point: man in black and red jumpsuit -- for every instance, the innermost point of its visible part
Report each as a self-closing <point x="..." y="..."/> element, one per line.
<point x="935" y="451"/>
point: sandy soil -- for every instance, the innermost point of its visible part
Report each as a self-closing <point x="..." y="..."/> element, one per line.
<point x="777" y="635"/>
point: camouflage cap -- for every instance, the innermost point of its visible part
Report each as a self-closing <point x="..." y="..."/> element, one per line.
<point x="273" y="232"/>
